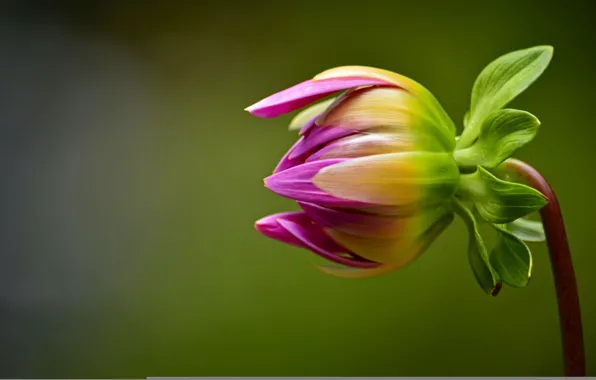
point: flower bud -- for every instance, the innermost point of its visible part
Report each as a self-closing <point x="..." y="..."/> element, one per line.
<point x="373" y="170"/>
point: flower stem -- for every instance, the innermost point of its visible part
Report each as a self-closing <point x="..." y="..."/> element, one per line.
<point x="562" y="268"/>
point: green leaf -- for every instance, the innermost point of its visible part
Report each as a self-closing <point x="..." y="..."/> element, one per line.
<point x="485" y="275"/>
<point x="500" y="82"/>
<point x="512" y="259"/>
<point x="466" y="118"/>
<point x="526" y="230"/>
<point x="499" y="201"/>
<point x="506" y="77"/>
<point x="502" y="134"/>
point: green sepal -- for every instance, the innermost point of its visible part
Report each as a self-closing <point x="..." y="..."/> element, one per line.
<point x="499" y="201"/>
<point x="526" y="229"/>
<point x="511" y="258"/>
<point x="484" y="273"/>
<point x="500" y="82"/>
<point x="503" y="133"/>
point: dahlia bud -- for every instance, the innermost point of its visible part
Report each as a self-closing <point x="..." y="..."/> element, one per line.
<point x="373" y="170"/>
<point x="379" y="172"/>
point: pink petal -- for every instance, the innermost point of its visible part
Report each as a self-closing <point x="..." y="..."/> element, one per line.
<point x="313" y="237"/>
<point x="295" y="183"/>
<point x="309" y="125"/>
<point x="305" y="93"/>
<point x="308" y="115"/>
<point x="317" y="137"/>
<point x="287" y="162"/>
<point x="366" y="144"/>
<point x="270" y="227"/>
<point x="357" y="223"/>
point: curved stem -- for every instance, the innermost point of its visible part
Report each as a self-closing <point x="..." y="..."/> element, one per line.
<point x="562" y="268"/>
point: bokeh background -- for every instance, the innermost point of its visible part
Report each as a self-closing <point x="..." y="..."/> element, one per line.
<point x="131" y="178"/>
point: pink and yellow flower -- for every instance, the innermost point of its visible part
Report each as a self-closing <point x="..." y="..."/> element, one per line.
<point x="373" y="170"/>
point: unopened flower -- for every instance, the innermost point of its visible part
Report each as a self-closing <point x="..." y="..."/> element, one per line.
<point x="378" y="172"/>
<point x="373" y="170"/>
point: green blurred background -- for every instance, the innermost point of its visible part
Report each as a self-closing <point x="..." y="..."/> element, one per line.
<point x="132" y="178"/>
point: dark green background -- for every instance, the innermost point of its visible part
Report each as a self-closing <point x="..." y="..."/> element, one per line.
<point x="132" y="178"/>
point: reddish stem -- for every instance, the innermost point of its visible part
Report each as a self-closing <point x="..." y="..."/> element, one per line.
<point x="562" y="267"/>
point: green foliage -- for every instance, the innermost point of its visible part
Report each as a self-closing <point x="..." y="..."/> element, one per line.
<point x="499" y="201"/>
<point x="526" y="229"/>
<point x="511" y="258"/>
<point x="466" y="118"/>
<point x="500" y="82"/>
<point x="502" y="134"/>
<point x="485" y="275"/>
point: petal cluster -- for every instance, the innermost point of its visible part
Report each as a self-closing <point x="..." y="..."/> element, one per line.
<point x="372" y="170"/>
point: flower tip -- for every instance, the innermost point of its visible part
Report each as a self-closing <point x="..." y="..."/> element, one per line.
<point x="262" y="225"/>
<point x="251" y="109"/>
<point x="268" y="226"/>
<point x="259" y="109"/>
<point x="258" y="225"/>
<point x="272" y="184"/>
